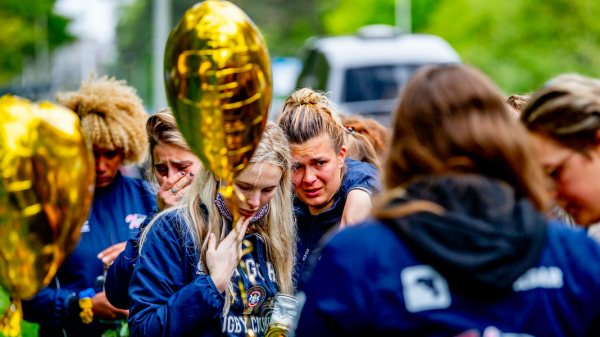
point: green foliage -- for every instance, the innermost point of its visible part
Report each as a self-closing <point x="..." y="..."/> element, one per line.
<point x="25" y="23"/>
<point x="522" y="43"/>
<point x="353" y="14"/>
<point x="285" y="25"/>
<point x="28" y="329"/>
<point x="519" y="43"/>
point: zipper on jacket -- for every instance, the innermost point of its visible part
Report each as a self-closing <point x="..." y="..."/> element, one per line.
<point x="305" y="254"/>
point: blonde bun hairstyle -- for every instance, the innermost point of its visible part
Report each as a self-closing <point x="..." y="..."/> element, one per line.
<point x="308" y="114"/>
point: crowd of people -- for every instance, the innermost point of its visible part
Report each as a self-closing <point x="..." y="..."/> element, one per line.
<point x="461" y="221"/>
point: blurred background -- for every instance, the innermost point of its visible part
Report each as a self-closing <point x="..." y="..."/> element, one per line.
<point x="362" y="51"/>
<point x="51" y="45"/>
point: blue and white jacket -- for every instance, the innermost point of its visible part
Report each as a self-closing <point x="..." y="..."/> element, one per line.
<point x="119" y="273"/>
<point x="171" y="295"/>
<point x="117" y="212"/>
<point x="486" y="265"/>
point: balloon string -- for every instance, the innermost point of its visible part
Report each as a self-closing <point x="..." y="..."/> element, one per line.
<point x="10" y="322"/>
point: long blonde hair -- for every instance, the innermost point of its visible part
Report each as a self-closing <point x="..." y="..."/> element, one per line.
<point x="278" y="226"/>
<point x="162" y="129"/>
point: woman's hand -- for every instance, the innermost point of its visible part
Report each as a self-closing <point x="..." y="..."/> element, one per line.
<point x="110" y="254"/>
<point x="222" y="260"/>
<point x="102" y="309"/>
<point x="179" y="182"/>
<point x="358" y="208"/>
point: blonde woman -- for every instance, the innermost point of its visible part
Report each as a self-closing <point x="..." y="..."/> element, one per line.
<point x="185" y="281"/>
<point x="330" y="188"/>
<point x="173" y="166"/>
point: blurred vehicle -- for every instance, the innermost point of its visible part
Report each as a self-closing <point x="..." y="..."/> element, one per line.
<point x="285" y="73"/>
<point x="366" y="72"/>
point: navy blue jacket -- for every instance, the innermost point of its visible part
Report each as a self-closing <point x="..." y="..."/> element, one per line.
<point x="171" y="295"/>
<point x="119" y="273"/>
<point x="358" y="289"/>
<point x="312" y="228"/>
<point x="117" y="212"/>
<point x="477" y="260"/>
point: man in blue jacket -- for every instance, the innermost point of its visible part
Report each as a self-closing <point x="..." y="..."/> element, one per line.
<point x="74" y="304"/>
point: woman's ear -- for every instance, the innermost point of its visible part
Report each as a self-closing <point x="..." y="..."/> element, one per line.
<point x="216" y="178"/>
<point x="342" y="155"/>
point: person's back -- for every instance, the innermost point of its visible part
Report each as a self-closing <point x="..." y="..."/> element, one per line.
<point x="370" y="281"/>
<point x="459" y="247"/>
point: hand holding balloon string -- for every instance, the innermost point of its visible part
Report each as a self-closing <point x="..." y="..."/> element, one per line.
<point x="222" y="259"/>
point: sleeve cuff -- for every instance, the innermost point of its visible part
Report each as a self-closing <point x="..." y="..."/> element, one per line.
<point x="73" y="307"/>
<point x="214" y="287"/>
<point x="362" y="189"/>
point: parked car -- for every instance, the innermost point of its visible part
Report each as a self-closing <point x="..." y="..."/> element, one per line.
<point x="365" y="72"/>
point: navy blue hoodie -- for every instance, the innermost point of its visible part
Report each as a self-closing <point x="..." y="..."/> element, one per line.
<point x="171" y="295"/>
<point x="117" y="212"/>
<point x="119" y="273"/>
<point x="358" y="175"/>
<point x="488" y="264"/>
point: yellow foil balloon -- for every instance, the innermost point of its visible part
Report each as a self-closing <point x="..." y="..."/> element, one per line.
<point x="47" y="185"/>
<point x="218" y="80"/>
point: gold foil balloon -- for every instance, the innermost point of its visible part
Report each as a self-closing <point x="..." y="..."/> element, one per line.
<point x="47" y="185"/>
<point x="218" y="80"/>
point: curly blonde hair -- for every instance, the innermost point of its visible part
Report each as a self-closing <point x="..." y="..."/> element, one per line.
<point x="112" y="116"/>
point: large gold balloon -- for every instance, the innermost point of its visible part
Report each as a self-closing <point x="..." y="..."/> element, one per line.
<point x="47" y="183"/>
<point x="218" y="80"/>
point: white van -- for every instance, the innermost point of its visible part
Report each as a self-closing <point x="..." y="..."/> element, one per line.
<point x="366" y="72"/>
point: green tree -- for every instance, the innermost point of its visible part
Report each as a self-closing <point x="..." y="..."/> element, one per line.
<point x="24" y="24"/>
<point x="285" y="25"/>
<point x="522" y="43"/>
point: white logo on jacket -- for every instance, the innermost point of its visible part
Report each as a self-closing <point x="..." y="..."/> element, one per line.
<point x="85" y="227"/>
<point x="540" y="277"/>
<point x="424" y="289"/>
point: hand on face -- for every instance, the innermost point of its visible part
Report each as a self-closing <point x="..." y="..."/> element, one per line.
<point x="222" y="259"/>
<point x="317" y="173"/>
<point x="175" y="169"/>
<point x="173" y="189"/>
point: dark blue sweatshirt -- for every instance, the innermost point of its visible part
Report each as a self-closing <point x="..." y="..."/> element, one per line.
<point x="171" y="295"/>
<point x="487" y="265"/>
<point x="117" y="212"/>
<point x="311" y="229"/>
<point x="119" y="273"/>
